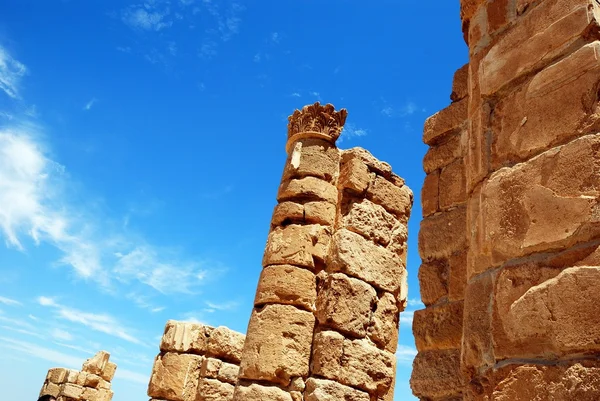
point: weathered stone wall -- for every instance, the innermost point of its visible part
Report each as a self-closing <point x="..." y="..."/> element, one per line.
<point x="196" y="363"/>
<point x="325" y="320"/>
<point x="92" y="383"/>
<point x="510" y="238"/>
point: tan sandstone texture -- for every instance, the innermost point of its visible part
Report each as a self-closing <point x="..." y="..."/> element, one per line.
<point x="92" y="383"/>
<point x="196" y="363"/>
<point x="510" y="235"/>
<point x="325" y="320"/>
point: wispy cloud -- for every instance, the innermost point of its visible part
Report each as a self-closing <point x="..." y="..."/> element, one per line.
<point x="11" y="72"/>
<point x="146" y="17"/>
<point x="89" y="104"/>
<point x="275" y="37"/>
<point x="36" y="351"/>
<point x="416" y="303"/>
<point x="60" y="334"/>
<point x="9" y="302"/>
<point x="351" y="131"/>
<point x="296" y="94"/>
<point x="225" y="306"/>
<point x="407" y="109"/>
<point x="405" y="354"/>
<point x="100" y="322"/>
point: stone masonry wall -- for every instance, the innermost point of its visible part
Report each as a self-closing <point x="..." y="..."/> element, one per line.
<point x="92" y="383"/>
<point x="325" y="320"/>
<point x="196" y="363"/>
<point x="511" y="234"/>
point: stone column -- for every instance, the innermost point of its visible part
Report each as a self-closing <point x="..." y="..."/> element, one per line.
<point x="277" y="350"/>
<point x="363" y="287"/>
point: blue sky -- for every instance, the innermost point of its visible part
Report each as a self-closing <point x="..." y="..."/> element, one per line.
<point x="142" y="144"/>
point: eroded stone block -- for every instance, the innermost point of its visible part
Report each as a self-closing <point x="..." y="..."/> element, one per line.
<point x="285" y="284"/>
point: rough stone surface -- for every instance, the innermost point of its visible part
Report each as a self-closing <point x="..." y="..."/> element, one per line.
<point x="370" y="220"/>
<point x="285" y="284"/>
<point x="92" y="383"/>
<point x="308" y="188"/>
<point x="345" y="304"/>
<point x="354" y="255"/>
<point x="256" y="392"/>
<point x="353" y="363"/>
<point x="384" y="323"/>
<point x="327" y="390"/>
<point x="278" y="344"/>
<point x="214" y="390"/>
<point x="395" y="199"/>
<point x="175" y="377"/>
<point x="297" y="245"/>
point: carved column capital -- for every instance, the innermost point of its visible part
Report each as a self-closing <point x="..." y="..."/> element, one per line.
<point x="316" y="121"/>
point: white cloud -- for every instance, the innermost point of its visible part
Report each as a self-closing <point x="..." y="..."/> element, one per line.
<point x="143" y="264"/>
<point x="89" y="104"/>
<point x="102" y="322"/>
<point x="9" y="302"/>
<point x="132" y="376"/>
<point x="60" y="334"/>
<point x="351" y="131"/>
<point x="275" y="38"/>
<point x="405" y="353"/>
<point x="11" y="72"/>
<point x="296" y="94"/>
<point x="407" y="109"/>
<point x="68" y="361"/>
<point x="257" y="58"/>
<point x="416" y="303"/>
<point x="140" y="18"/>
<point x="225" y="306"/>
<point x="406" y="318"/>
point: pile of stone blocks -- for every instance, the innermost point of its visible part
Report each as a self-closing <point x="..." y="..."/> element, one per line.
<point x="325" y="320"/>
<point x="510" y="239"/>
<point x="196" y="363"/>
<point x="92" y="383"/>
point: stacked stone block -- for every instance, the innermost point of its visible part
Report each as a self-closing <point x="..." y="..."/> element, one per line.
<point x="196" y="363"/>
<point x="92" y="383"/>
<point x="325" y="319"/>
<point x="520" y="207"/>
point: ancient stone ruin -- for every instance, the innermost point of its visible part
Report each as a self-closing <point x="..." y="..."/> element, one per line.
<point x="92" y="383"/>
<point x="510" y="237"/>
<point x="196" y="363"/>
<point x="325" y="318"/>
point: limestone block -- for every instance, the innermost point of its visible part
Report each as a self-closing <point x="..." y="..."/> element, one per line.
<point x="225" y="344"/>
<point x="318" y="212"/>
<point x="358" y="257"/>
<point x="575" y="381"/>
<point x="353" y="363"/>
<point x="297" y="384"/>
<point x="558" y="104"/>
<point x="103" y="384"/>
<point x="210" y="368"/>
<point x="562" y="310"/>
<point x="89" y="394"/>
<point x="327" y="390"/>
<point x="57" y="375"/>
<point x="478" y="155"/>
<point x="430" y="194"/>
<point x="286" y="213"/>
<point x="354" y="174"/>
<point x="314" y="158"/>
<point x="398" y="243"/>
<point x="445" y="152"/>
<point x="374" y="165"/>
<point x="477" y="345"/>
<point x="285" y="284"/>
<point x="184" y="337"/>
<point x="383" y="330"/>
<point x="256" y="392"/>
<point x="453" y="185"/>
<point x="444" y="234"/>
<point x="540" y="36"/>
<point x="396" y="200"/>
<point x="104" y="395"/>
<point x="214" y="390"/>
<point x="50" y="388"/>
<point x="109" y="371"/>
<point x="439" y="327"/>
<point x="345" y="304"/>
<point x="297" y="245"/>
<point x="278" y="344"/>
<point x="308" y="188"/>
<point x="448" y="121"/>
<point x="457" y="280"/>
<point x="97" y="363"/>
<point x="460" y="84"/>
<point x="436" y="374"/>
<point x="547" y="203"/>
<point x="175" y="377"/>
<point x="433" y="281"/>
<point x="70" y="390"/>
<point x="81" y="378"/>
<point x="370" y="220"/>
<point x="228" y="373"/>
<point x="72" y="375"/>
